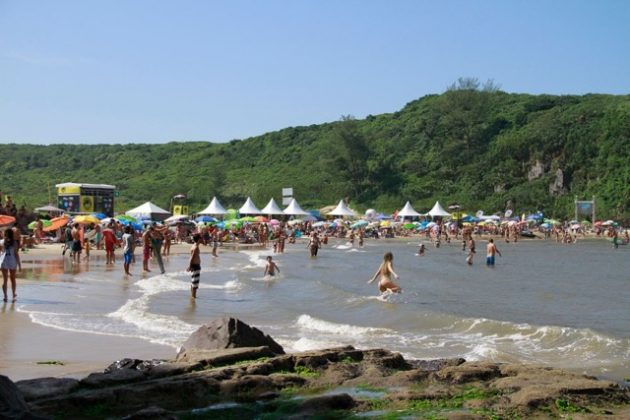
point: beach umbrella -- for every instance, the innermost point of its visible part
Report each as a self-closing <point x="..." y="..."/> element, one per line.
<point x="546" y="225"/>
<point x="99" y="216"/>
<point x="248" y="219"/>
<point x="274" y="222"/>
<point x="585" y="222"/>
<point x="373" y="225"/>
<point x="576" y="226"/>
<point x="220" y="225"/>
<point x="431" y="224"/>
<point x="319" y="224"/>
<point x="6" y="220"/>
<point x="57" y="223"/>
<point x="409" y="226"/>
<point x="359" y="224"/>
<point x="386" y="223"/>
<point x="294" y="222"/>
<point x="205" y="219"/>
<point x="261" y="219"/>
<point x="45" y="222"/>
<point x="125" y="218"/>
<point x="86" y="219"/>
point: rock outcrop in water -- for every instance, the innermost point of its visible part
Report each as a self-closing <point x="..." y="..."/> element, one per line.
<point x="254" y="381"/>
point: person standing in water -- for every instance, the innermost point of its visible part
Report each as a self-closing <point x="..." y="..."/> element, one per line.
<point x="491" y="250"/>
<point x="9" y="262"/>
<point x="271" y="267"/>
<point x="386" y="270"/>
<point x="471" y="251"/>
<point x="194" y="266"/>
<point x="313" y="244"/>
<point x="127" y="241"/>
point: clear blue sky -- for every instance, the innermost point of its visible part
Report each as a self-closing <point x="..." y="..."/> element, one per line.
<point x="156" y="71"/>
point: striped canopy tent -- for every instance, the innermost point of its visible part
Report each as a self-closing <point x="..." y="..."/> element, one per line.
<point x="214" y="208"/>
<point x="272" y="208"/>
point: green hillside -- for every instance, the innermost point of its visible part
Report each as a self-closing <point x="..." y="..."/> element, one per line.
<point x="477" y="147"/>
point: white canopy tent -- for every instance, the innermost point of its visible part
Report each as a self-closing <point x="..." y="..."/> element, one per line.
<point x="213" y="208"/>
<point x="272" y="208"/>
<point x="438" y="211"/>
<point x="149" y="210"/>
<point x="341" y="210"/>
<point x="294" y="209"/>
<point x="49" y="209"/>
<point x="408" y="211"/>
<point x="249" y="207"/>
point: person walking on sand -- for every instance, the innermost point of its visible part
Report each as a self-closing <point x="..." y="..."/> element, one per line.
<point x="271" y="267"/>
<point x="491" y="250"/>
<point x="127" y="241"/>
<point x="146" y="249"/>
<point x="9" y="262"/>
<point x="194" y="266"/>
<point x="471" y="251"/>
<point x="386" y="270"/>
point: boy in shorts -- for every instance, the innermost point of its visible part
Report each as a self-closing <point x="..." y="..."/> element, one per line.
<point x="127" y="240"/>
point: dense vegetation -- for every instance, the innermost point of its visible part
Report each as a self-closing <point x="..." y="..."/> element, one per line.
<point x="479" y="147"/>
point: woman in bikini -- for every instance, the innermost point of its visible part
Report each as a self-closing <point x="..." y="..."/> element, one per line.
<point x="9" y="261"/>
<point x="386" y="270"/>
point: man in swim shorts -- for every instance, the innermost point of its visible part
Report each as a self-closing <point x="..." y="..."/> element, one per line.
<point x="491" y="250"/>
<point x="271" y="267"/>
<point x="127" y="240"/>
<point x="194" y="265"/>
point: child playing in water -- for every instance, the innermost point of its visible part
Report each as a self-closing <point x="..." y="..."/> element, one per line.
<point x="271" y="267"/>
<point x="386" y="269"/>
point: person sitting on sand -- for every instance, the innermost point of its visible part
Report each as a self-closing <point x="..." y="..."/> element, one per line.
<point x="386" y="270"/>
<point x="271" y="267"/>
<point x="9" y="262"/>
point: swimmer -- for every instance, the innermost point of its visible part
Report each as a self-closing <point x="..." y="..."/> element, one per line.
<point x="386" y="270"/>
<point x="421" y="249"/>
<point x="271" y="267"/>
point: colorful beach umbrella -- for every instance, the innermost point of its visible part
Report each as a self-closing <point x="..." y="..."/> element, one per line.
<point x="359" y="224"/>
<point x="45" y="222"/>
<point x="125" y="218"/>
<point x="57" y="223"/>
<point x="86" y="219"/>
<point x="6" y="220"/>
<point x="205" y="219"/>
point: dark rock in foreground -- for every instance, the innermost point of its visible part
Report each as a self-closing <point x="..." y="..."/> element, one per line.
<point x="226" y="333"/>
<point x="254" y="381"/>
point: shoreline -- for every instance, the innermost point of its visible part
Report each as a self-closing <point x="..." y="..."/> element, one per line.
<point x="83" y="352"/>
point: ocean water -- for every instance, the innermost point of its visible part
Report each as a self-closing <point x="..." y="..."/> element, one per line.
<point x="559" y="305"/>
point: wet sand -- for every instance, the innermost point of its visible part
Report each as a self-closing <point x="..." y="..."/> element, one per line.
<point x="25" y="347"/>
